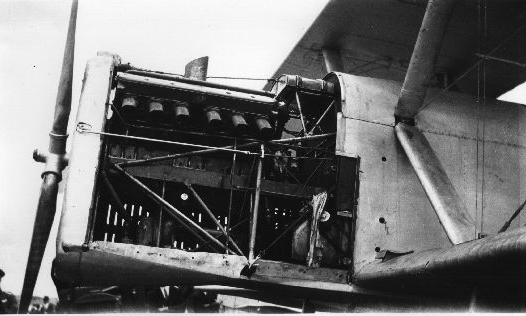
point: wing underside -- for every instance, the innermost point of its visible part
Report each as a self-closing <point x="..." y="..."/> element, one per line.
<point x="376" y="39"/>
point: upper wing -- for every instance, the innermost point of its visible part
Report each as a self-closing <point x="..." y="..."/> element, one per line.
<point x="376" y="39"/>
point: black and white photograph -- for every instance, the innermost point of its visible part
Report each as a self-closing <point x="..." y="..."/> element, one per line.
<point x="229" y="156"/>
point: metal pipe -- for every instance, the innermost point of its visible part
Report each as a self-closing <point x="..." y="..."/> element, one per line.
<point x="332" y="59"/>
<point x="302" y="138"/>
<point x="502" y="60"/>
<point x="231" y="196"/>
<point x="208" y="151"/>
<point x="201" y="83"/>
<point x="171" y="85"/>
<point x="321" y="118"/>
<point x="515" y="214"/>
<point x="423" y="60"/>
<point x="255" y="210"/>
<point x="160" y="225"/>
<point x="452" y="213"/>
<point x="183" y="219"/>
<point x="212" y="216"/>
<point x="301" y="113"/>
<point x="233" y="227"/>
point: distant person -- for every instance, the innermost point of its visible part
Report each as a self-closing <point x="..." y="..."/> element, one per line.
<point x="8" y="303"/>
<point x="47" y="307"/>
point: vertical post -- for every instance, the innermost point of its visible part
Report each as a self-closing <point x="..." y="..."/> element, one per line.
<point x="255" y="210"/>
<point x="160" y="226"/>
<point x="232" y="169"/>
<point x="301" y="113"/>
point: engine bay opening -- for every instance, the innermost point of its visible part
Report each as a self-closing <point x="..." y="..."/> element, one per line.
<point x="192" y="166"/>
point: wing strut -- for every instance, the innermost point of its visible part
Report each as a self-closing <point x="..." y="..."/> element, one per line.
<point x="452" y="213"/>
<point x="55" y="162"/>
<point x="423" y="60"/>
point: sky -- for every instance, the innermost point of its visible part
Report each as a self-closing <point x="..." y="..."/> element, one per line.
<point x="242" y="38"/>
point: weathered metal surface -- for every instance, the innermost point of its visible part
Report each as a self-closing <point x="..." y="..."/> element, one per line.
<point x="486" y="173"/>
<point x="201" y="83"/>
<point x="106" y="263"/>
<point x="451" y="211"/>
<point x="425" y="54"/>
<point x="167" y="89"/>
<point x="373" y="100"/>
<point x="484" y="262"/>
<point x="197" y="69"/>
<point x="84" y="155"/>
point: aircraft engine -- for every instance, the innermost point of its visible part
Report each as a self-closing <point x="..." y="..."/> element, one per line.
<point x="239" y="169"/>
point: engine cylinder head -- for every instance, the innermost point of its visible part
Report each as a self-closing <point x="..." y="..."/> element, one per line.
<point x="214" y="119"/>
<point x="129" y="105"/>
<point x="182" y="114"/>
<point x="264" y="127"/>
<point x="240" y="125"/>
<point x="156" y="110"/>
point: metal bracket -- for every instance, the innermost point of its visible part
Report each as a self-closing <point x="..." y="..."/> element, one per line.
<point x="54" y="163"/>
<point x="83" y="127"/>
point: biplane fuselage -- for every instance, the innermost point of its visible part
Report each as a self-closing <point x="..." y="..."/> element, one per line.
<point x="394" y="247"/>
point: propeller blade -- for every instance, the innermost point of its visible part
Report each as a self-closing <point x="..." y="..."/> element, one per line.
<point x="63" y="103"/>
<point x="47" y="202"/>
